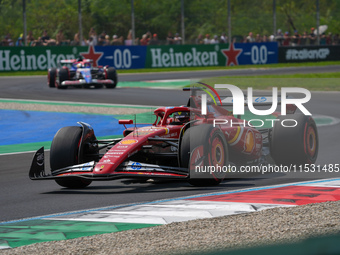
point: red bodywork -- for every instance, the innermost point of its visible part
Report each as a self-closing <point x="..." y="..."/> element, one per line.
<point x="122" y="159"/>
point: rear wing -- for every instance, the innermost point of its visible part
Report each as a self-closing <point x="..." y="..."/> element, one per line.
<point x="68" y="61"/>
<point x="71" y="61"/>
<point x="259" y="101"/>
<point x="88" y="60"/>
<point x="226" y="101"/>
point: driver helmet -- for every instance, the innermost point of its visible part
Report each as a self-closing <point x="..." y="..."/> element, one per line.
<point x="182" y="117"/>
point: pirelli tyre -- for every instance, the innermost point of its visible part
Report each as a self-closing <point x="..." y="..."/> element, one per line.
<point x="64" y="152"/>
<point x="63" y="76"/>
<point x="51" y="77"/>
<point x="202" y="147"/>
<point x="296" y="145"/>
<point x="111" y="74"/>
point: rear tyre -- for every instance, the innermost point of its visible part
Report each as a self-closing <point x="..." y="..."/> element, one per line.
<point x="64" y="152"/>
<point x="51" y="78"/>
<point x="294" y="145"/>
<point x="63" y="76"/>
<point x="111" y="75"/>
<point x="205" y="146"/>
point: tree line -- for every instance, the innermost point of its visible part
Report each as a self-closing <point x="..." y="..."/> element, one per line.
<point x="162" y="16"/>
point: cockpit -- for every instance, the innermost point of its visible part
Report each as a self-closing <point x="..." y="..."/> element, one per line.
<point x="172" y="116"/>
<point x="83" y="65"/>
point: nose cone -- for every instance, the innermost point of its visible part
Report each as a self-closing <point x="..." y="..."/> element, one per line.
<point x="87" y="75"/>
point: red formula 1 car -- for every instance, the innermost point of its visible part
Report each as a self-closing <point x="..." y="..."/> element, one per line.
<point x="80" y="73"/>
<point x="180" y="141"/>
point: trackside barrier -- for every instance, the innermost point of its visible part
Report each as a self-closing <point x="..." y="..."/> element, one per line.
<point x="211" y="55"/>
<point x="135" y="57"/>
<point x="41" y="58"/>
<point x="309" y="53"/>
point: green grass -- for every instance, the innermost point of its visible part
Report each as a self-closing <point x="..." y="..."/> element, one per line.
<point x="309" y="75"/>
<point x="230" y="67"/>
<point x="28" y="73"/>
<point x="23" y="73"/>
<point x="315" y="82"/>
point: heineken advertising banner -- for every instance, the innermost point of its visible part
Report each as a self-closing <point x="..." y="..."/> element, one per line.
<point x="35" y="58"/>
<point x="135" y="57"/>
<point x="211" y="55"/>
<point x="183" y="56"/>
<point x="255" y="53"/>
<point x="122" y="57"/>
<point x="42" y="58"/>
<point x="309" y="53"/>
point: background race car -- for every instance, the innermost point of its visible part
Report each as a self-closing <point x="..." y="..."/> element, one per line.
<point x="80" y="73"/>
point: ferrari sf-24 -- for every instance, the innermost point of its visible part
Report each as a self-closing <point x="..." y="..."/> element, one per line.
<point x="180" y="141"/>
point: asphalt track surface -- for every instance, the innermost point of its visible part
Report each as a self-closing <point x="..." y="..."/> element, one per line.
<point x="22" y="198"/>
<point x="36" y="88"/>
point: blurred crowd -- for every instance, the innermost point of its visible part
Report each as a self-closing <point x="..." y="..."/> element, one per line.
<point x="103" y="39"/>
<point x="283" y="39"/>
<point x="297" y="39"/>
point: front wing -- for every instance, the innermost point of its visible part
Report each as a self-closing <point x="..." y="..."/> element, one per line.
<point x="128" y="169"/>
<point x="83" y="82"/>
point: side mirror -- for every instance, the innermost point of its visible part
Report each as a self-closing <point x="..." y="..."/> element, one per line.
<point x="125" y="122"/>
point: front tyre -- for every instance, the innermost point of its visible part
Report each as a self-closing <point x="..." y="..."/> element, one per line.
<point x="204" y="146"/>
<point x="63" y="76"/>
<point x="64" y="152"/>
<point x="294" y="145"/>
